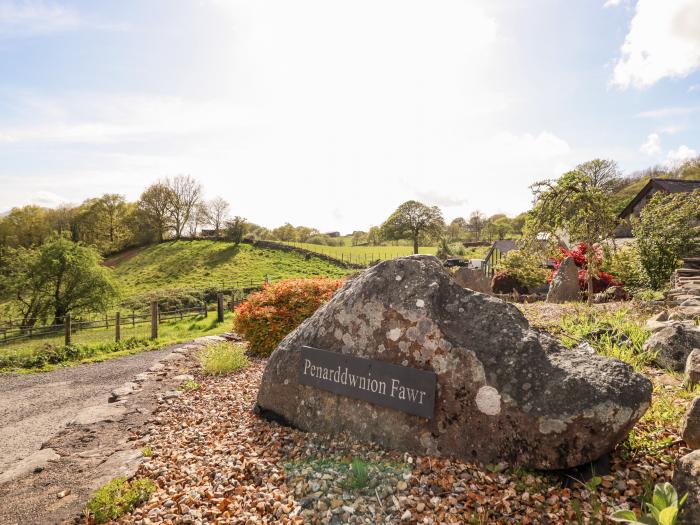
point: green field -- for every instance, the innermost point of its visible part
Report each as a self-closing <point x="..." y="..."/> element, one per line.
<point x="96" y="344"/>
<point x="196" y="265"/>
<point x="362" y="254"/>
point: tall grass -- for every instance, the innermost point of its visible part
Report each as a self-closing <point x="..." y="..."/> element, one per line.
<point x="222" y="358"/>
<point x="614" y="334"/>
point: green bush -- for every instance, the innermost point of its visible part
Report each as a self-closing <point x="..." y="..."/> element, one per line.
<point x="665" y="232"/>
<point x="222" y="358"/>
<point x="118" y="497"/>
<point x="266" y="317"/>
<point x="528" y="269"/>
<point x="626" y="265"/>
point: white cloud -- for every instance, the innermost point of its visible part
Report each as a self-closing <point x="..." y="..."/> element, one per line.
<point x="663" y="41"/>
<point x="652" y="146"/>
<point x="612" y="3"/>
<point x="35" y="18"/>
<point x="677" y="156"/>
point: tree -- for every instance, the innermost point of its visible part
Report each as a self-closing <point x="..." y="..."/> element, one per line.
<point x="476" y="223"/>
<point x="603" y="174"/>
<point x="502" y="225"/>
<point x="236" y="229"/>
<point x="358" y="238"/>
<point x="286" y="232"/>
<point x="412" y="219"/>
<point x="577" y="205"/>
<point x="218" y="211"/>
<point x="154" y="204"/>
<point x="457" y="229"/>
<point x="374" y="236"/>
<point x="200" y="216"/>
<point x="665" y="232"/>
<point x="58" y="278"/>
<point x="184" y="195"/>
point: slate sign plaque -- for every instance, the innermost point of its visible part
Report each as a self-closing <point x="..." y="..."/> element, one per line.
<point x="394" y="386"/>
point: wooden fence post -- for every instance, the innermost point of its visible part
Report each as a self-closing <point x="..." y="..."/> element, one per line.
<point x="154" y="320"/>
<point x="220" y="307"/>
<point x="67" y="329"/>
<point x="205" y="311"/>
<point x="117" y="326"/>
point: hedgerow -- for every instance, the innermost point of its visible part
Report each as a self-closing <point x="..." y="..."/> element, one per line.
<point x="266" y="317"/>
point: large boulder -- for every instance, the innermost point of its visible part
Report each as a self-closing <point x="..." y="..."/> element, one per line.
<point x="565" y="285"/>
<point x="686" y="480"/>
<point x="505" y="392"/>
<point x="690" y="429"/>
<point x="473" y="279"/>
<point x="673" y="344"/>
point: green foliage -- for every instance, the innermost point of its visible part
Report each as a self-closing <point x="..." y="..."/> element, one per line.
<point x="222" y="358"/>
<point x="613" y="334"/>
<point x="444" y="250"/>
<point x="147" y="452"/>
<point x="118" y="497"/>
<point x="579" y="203"/>
<point x="235" y="229"/>
<point x="189" y="385"/>
<point x="663" y="509"/>
<point x="412" y="220"/>
<point x="266" y="317"/>
<point x="526" y="268"/>
<point x="665" y="232"/>
<point x="625" y="264"/>
<point x="58" y="278"/>
<point x="359" y="476"/>
<point x="654" y="433"/>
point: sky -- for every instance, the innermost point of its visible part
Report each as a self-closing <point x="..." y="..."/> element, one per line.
<point x="330" y="113"/>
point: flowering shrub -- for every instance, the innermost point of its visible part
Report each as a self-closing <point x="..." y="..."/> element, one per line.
<point x="601" y="281"/>
<point x="266" y="317"/>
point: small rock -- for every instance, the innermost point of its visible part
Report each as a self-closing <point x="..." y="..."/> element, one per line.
<point x="406" y="516"/>
<point x="63" y="494"/>
<point x="690" y="429"/>
<point x="692" y="368"/>
<point x="402" y="485"/>
<point x="686" y="479"/>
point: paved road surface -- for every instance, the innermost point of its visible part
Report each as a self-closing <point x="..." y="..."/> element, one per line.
<point x="33" y="407"/>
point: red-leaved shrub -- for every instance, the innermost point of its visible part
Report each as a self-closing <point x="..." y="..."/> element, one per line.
<point x="601" y="281"/>
<point x="267" y="316"/>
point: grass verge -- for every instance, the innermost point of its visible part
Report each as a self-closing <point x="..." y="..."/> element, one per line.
<point x="117" y="498"/>
<point x="40" y="356"/>
<point x="222" y="358"/>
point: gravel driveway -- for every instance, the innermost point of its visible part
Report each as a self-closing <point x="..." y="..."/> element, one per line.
<point x="33" y="407"/>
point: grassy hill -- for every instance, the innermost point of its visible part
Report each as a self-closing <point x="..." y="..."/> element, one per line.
<point x="362" y="254"/>
<point x="203" y="264"/>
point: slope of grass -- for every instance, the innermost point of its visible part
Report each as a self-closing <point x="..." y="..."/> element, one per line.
<point x="202" y="264"/>
<point x="362" y="254"/>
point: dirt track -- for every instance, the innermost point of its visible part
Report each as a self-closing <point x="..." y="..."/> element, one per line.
<point x="33" y="407"/>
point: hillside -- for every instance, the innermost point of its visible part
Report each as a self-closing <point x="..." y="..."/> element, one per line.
<point x="202" y="264"/>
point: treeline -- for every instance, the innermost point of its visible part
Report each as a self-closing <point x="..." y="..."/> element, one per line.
<point x="169" y="209"/>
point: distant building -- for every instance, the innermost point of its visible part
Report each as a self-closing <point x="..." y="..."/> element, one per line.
<point x="496" y="253"/>
<point x="207" y="234"/>
<point x="332" y="234"/>
<point x="654" y="185"/>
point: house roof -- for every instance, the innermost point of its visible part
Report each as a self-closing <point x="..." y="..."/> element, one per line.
<point x="667" y="185"/>
<point x="503" y="246"/>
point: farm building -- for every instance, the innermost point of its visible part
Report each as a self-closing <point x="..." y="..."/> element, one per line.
<point x="654" y="185"/>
